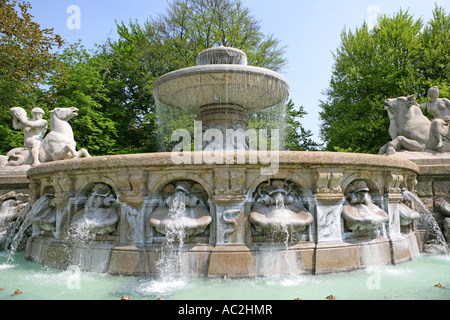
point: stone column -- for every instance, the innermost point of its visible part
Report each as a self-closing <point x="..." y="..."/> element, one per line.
<point x="65" y="203"/>
<point x="392" y="198"/>
<point x="329" y="201"/>
<point x="331" y="252"/>
<point x="400" y="251"/>
<point x="231" y="257"/>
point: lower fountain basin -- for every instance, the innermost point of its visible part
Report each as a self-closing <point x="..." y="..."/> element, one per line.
<point x="226" y="244"/>
<point x="363" y="217"/>
<point x="268" y="220"/>
<point x="407" y="215"/>
<point x="189" y="226"/>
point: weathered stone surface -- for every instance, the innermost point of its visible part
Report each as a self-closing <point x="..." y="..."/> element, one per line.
<point x="232" y="262"/>
<point x="227" y="190"/>
<point x="335" y="257"/>
<point x="447" y="229"/>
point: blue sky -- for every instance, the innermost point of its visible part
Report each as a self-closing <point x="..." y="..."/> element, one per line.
<point x="309" y="29"/>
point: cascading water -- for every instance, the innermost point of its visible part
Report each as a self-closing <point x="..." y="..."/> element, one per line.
<point x="8" y="213"/>
<point x="269" y="119"/>
<point x="23" y="222"/>
<point x="171" y="264"/>
<point x="78" y="238"/>
<point x="434" y="241"/>
<point x="286" y="262"/>
<point x="280" y="214"/>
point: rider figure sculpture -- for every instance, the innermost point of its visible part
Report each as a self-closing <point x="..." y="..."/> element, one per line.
<point x="34" y="130"/>
<point x="440" y="109"/>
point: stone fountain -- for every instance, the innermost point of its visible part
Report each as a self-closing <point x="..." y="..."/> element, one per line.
<point x="315" y="212"/>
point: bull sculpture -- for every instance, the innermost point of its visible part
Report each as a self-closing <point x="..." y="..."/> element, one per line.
<point x="409" y="128"/>
<point x="412" y="131"/>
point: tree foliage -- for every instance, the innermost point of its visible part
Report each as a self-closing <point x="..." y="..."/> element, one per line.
<point x="26" y="60"/>
<point x="112" y="86"/>
<point x="82" y="85"/>
<point x="296" y="137"/>
<point x="173" y="40"/>
<point x="399" y="57"/>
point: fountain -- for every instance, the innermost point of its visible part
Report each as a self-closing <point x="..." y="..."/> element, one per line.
<point x="226" y="208"/>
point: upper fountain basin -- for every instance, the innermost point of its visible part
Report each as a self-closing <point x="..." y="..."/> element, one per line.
<point x="226" y="80"/>
<point x="222" y="55"/>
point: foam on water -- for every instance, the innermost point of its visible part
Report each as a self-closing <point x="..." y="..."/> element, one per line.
<point x="284" y="282"/>
<point x="158" y="287"/>
<point x="6" y="266"/>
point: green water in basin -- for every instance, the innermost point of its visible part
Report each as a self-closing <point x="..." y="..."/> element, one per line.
<point x="411" y="280"/>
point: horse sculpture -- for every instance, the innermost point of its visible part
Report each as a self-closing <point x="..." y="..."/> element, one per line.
<point x="409" y="128"/>
<point x="59" y="144"/>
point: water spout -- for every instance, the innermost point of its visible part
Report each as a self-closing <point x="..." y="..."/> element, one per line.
<point x="435" y="241"/>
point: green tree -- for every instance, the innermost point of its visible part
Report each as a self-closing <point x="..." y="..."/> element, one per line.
<point x="190" y="26"/>
<point x="82" y="85"/>
<point x="370" y="66"/>
<point x="399" y="57"/>
<point x="434" y="59"/>
<point x="26" y="60"/>
<point x="130" y="83"/>
<point x="172" y="41"/>
<point x="296" y="137"/>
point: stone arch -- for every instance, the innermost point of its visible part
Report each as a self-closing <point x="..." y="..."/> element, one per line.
<point x="290" y="186"/>
<point x="297" y="178"/>
<point x="158" y="185"/>
<point x="375" y="191"/>
<point x="48" y="189"/>
<point x="87" y="186"/>
<point x="374" y="187"/>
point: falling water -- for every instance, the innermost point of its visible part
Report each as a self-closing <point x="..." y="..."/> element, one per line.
<point x="436" y="241"/>
<point x="79" y="234"/>
<point x="286" y="262"/>
<point x="280" y="209"/>
<point x="170" y="119"/>
<point x="8" y="213"/>
<point x="83" y="230"/>
<point x="23" y="222"/>
<point x="171" y="265"/>
<point x="269" y="119"/>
